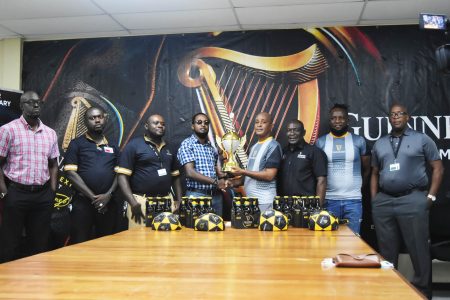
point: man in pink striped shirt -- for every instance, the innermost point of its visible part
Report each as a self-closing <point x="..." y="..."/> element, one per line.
<point x="28" y="175"/>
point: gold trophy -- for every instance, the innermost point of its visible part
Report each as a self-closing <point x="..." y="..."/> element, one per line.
<point x="230" y="143"/>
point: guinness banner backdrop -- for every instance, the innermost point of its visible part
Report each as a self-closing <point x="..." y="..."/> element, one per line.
<point x="293" y="74"/>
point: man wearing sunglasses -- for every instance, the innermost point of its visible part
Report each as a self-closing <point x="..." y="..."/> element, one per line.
<point x="200" y="161"/>
<point x="28" y="160"/>
<point x="402" y="193"/>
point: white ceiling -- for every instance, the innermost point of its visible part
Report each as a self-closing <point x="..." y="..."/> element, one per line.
<point x="59" y="19"/>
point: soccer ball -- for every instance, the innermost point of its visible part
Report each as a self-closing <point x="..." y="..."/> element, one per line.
<point x="273" y="220"/>
<point x="323" y="220"/>
<point x="209" y="222"/>
<point x="166" y="221"/>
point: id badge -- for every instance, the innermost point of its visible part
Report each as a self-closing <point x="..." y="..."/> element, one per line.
<point x="394" y="167"/>
<point x="108" y="149"/>
<point x="162" y="172"/>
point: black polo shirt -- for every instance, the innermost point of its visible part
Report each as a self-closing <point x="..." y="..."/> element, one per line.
<point x="300" y="169"/>
<point x="150" y="167"/>
<point x="94" y="163"/>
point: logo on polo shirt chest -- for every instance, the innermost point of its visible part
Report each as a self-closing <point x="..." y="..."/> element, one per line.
<point x="301" y="155"/>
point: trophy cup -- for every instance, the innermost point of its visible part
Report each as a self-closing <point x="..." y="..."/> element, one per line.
<point x="230" y="143"/>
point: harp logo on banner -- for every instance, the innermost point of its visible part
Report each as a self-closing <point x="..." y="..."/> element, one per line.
<point x="9" y="105"/>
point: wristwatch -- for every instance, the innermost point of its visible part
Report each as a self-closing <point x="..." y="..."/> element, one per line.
<point x="432" y="197"/>
<point x="216" y="183"/>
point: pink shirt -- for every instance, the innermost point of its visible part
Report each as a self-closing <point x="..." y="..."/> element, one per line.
<point x="27" y="152"/>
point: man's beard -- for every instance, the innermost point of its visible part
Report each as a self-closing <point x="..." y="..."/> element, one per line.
<point x="202" y="135"/>
<point x="339" y="132"/>
<point x="33" y="116"/>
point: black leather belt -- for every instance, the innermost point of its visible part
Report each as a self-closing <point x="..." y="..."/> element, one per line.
<point x="404" y="193"/>
<point x="206" y="192"/>
<point x="29" y="188"/>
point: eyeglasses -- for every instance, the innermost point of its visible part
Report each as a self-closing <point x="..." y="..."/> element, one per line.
<point x="200" y="122"/>
<point x="34" y="102"/>
<point x="397" y="114"/>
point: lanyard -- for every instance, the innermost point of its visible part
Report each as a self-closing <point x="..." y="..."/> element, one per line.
<point x="157" y="155"/>
<point x="395" y="151"/>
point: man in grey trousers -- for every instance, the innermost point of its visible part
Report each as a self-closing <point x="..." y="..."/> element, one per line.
<point x="402" y="194"/>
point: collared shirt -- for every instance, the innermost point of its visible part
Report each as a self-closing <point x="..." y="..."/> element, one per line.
<point x="204" y="157"/>
<point x="149" y="166"/>
<point x="264" y="154"/>
<point x="344" y="153"/>
<point x="94" y="163"/>
<point x="300" y="168"/>
<point x="415" y="150"/>
<point x="27" y="151"/>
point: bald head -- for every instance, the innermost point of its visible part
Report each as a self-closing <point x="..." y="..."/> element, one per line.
<point x="29" y="95"/>
<point x="265" y="115"/>
<point x="155" y="127"/>
<point x="30" y="104"/>
<point x="263" y="125"/>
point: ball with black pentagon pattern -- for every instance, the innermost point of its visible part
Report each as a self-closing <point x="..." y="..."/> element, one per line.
<point x="323" y="221"/>
<point x="166" y="221"/>
<point x="209" y="222"/>
<point x="273" y="220"/>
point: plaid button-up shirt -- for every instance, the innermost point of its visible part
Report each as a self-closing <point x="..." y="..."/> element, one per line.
<point x="27" y="152"/>
<point x="204" y="157"/>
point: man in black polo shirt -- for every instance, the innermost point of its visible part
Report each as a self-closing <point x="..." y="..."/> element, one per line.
<point x="89" y="164"/>
<point x="147" y="167"/>
<point x="303" y="167"/>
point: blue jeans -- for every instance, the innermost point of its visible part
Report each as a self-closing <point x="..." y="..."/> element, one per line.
<point x="347" y="209"/>
<point x="217" y="200"/>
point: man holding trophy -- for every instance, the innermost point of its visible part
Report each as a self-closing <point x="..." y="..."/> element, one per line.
<point x="201" y="164"/>
<point x="259" y="178"/>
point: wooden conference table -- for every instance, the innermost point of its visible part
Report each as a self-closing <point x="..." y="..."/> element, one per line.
<point x="186" y="264"/>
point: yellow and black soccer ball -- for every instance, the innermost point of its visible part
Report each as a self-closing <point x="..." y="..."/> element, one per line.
<point x="209" y="222"/>
<point x="323" y="220"/>
<point x="273" y="220"/>
<point x="166" y="221"/>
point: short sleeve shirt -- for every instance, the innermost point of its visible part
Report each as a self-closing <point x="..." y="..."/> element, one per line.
<point x="344" y="165"/>
<point x="150" y="167"/>
<point x="263" y="155"/>
<point x="27" y="152"/>
<point x="204" y="156"/>
<point x="300" y="168"/>
<point x="415" y="150"/>
<point x="94" y="163"/>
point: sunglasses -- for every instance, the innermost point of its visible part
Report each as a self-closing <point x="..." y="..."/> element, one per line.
<point x="200" y="122"/>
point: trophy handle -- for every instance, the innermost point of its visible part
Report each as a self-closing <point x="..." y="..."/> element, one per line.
<point x="219" y="144"/>
<point x="243" y="141"/>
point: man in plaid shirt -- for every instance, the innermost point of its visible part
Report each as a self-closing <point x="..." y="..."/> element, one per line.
<point x="200" y="161"/>
<point x="28" y="160"/>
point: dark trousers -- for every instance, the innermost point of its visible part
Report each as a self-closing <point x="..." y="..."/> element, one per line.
<point x="405" y="217"/>
<point x="88" y="223"/>
<point x="25" y="210"/>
